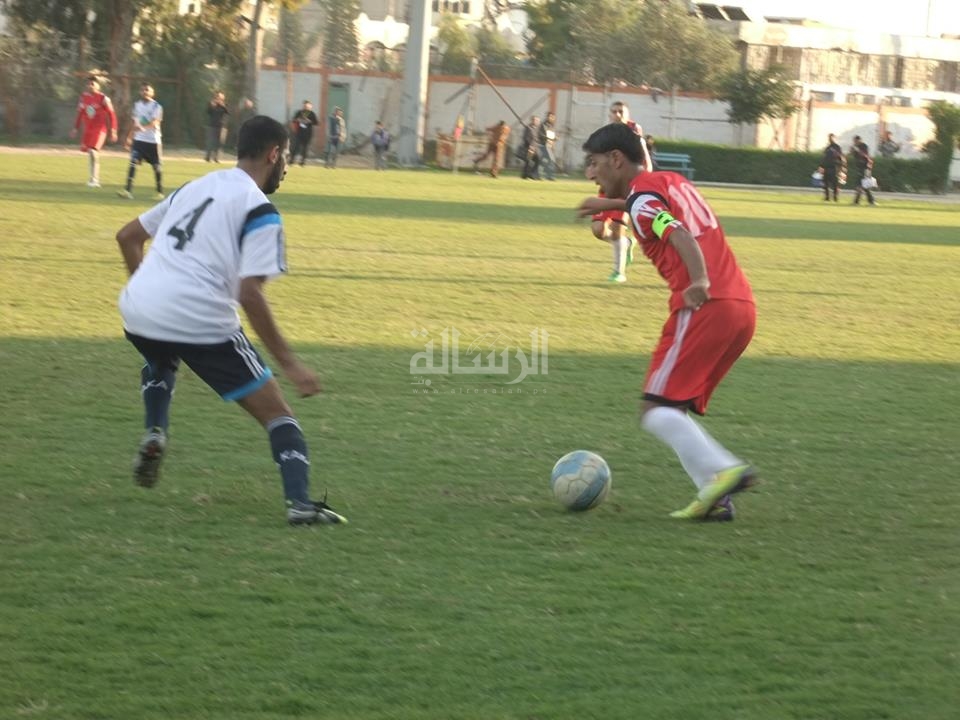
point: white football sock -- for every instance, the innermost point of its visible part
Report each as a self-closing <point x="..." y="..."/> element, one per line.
<point x="701" y="456"/>
<point x="94" y="165"/>
<point x="620" y="245"/>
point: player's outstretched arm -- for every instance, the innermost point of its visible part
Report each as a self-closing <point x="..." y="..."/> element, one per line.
<point x="255" y="305"/>
<point x="131" y="238"/>
<point x="593" y="205"/>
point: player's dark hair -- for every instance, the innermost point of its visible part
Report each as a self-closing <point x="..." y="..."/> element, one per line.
<point x="259" y="134"/>
<point x="616" y="136"/>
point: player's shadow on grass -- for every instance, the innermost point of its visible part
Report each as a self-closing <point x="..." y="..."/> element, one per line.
<point x="803" y="418"/>
<point x="398" y="251"/>
<point x="826" y="229"/>
<point x="852" y="230"/>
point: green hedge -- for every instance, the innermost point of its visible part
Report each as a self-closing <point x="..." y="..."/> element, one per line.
<point x="752" y="166"/>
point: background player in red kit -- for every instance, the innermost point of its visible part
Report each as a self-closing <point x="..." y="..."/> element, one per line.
<point x="611" y="226"/>
<point x="712" y="311"/>
<point x="96" y="117"/>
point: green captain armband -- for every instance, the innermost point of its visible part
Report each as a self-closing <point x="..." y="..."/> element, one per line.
<point x="661" y="221"/>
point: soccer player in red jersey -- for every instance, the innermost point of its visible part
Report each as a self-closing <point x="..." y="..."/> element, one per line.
<point x="712" y="310"/>
<point x="95" y="113"/>
<point x="611" y="226"/>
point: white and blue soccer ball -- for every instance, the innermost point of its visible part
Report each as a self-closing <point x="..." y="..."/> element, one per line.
<point x="580" y="480"/>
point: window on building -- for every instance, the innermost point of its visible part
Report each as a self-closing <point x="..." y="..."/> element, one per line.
<point x="946" y="76"/>
<point x="820" y="96"/>
<point x="899" y="101"/>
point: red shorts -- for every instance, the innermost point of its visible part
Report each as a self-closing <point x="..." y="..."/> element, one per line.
<point x="697" y="348"/>
<point x="93" y="138"/>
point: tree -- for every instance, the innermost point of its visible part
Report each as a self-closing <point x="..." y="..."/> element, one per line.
<point x="670" y="48"/>
<point x="493" y="48"/>
<point x="254" y="39"/>
<point x="550" y="25"/>
<point x="34" y="69"/>
<point x="757" y="94"/>
<point x="649" y="42"/>
<point x="341" y="45"/>
<point x="946" y="120"/>
<point x="291" y="43"/>
<point x="110" y="32"/>
<point x="210" y="45"/>
<point x="457" y="46"/>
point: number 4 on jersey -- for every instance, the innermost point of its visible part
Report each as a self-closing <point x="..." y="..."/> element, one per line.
<point x="182" y="230"/>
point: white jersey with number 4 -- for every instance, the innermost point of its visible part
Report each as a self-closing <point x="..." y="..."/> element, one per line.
<point x="207" y="236"/>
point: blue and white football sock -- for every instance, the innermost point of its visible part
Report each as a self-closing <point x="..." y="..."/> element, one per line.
<point x="290" y="453"/>
<point x="156" y="388"/>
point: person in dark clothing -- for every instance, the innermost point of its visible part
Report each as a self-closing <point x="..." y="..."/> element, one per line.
<point x="547" y="138"/>
<point x="528" y="151"/>
<point x="380" y="139"/>
<point x="336" y="134"/>
<point x="302" y="125"/>
<point x="216" y="118"/>
<point x="832" y="165"/>
<point x="862" y="167"/>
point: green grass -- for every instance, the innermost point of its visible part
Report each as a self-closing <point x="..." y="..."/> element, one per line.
<point x="460" y="590"/>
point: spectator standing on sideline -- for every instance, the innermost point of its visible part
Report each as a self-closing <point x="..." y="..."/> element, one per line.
<point x="216" y="241"/>
<point x="216" y="122"/>
<point x="832" y="165"/>
<point x="336" y="134"/>
<point x="302" y="125"/>
<point x="547" y="138"/>
<point x="528" y="151"/>
<point x="380" y="139"/>
<point x="712" y="311"/>
<point x="862" y="167"/>
<point x="889" y="147"/>
<point x="96" y="117"/>
<point x="496" y="148"/>
<point x="146" y="140"/>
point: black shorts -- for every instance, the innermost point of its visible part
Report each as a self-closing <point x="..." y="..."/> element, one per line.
<point x="233" y="368"/>
<point x="145" y="151"/>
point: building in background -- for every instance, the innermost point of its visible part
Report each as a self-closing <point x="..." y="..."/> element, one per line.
<point x="852" y="81"/>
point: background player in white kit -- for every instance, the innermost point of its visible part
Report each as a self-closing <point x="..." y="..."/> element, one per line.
<point x="144" y="140"/>
<point x="216" y="241"/>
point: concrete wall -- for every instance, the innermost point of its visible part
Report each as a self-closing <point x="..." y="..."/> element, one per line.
<point x="580" y="110"/>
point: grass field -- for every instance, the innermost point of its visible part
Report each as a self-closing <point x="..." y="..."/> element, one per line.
<point x="460" y="590"/>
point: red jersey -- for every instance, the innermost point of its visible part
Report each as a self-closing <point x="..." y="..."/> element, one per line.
<point x="660" y="202"/>
<point x="93" y="110"/>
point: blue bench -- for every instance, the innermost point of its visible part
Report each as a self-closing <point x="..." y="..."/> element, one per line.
<point x="677" y="162"/>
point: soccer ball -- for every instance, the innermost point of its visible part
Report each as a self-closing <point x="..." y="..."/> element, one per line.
<point x="580" y="480"/>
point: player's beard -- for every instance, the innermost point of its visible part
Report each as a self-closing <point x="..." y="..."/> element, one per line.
<point x="276" y="177"/>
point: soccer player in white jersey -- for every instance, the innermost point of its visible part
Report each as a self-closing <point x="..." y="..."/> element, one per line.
<point x="146" y="144"/>
<point x="216" y="241"/>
